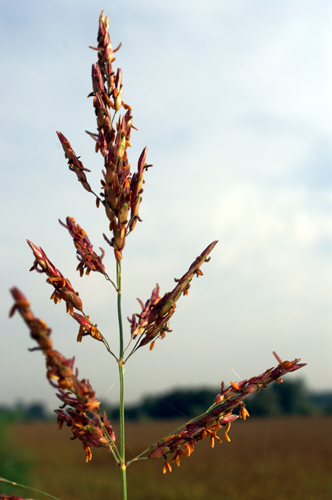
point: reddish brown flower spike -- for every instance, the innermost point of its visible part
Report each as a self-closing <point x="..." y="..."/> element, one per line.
<point x="154" y="320"/>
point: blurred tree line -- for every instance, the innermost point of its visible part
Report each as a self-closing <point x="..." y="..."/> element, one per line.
<point x="288" y="398"/>
<point x="16" y="464"/>
<point x="23" y="412"/>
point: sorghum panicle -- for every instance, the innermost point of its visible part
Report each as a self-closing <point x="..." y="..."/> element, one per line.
<point x="157" y="311"/>
<point x="121" y="191"/>
<point x="64" y="290"/>
<point x="121" y="195"/>
<point x="83" y="407"/>
<point x="219" y="414"/>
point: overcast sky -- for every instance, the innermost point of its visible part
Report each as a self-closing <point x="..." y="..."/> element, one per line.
<point x="233" y="100"/>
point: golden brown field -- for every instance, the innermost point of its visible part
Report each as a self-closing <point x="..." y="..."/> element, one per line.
<point x="282" y="458"/>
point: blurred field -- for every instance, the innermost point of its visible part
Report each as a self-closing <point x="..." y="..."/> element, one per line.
<point x="282" y="458"/>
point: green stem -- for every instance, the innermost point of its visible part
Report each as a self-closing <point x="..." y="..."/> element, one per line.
<point x="123" y="465"/>
<point x="134" y="349"/>
<point x="27" y="487"/>
<point x="118" y="279"/>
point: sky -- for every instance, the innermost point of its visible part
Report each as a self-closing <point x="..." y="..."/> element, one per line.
<point x="233" y="100"/>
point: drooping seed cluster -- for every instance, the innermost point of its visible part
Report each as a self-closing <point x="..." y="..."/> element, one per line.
<point x="89" y="260"/>
<point x="74" y="163"/>
<point x="186" y="437"/>
<point x="63" y="290"/>
<point x="62" y="286"/>
<point x="220" y="413"/>
<point x="83" y="413"/>
<point x="157" y="311"/>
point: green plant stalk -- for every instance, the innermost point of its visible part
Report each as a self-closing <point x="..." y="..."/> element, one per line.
<point x="118" y="282"/>
<point x="123" y="465"/>
<point x="27" y="487"/>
